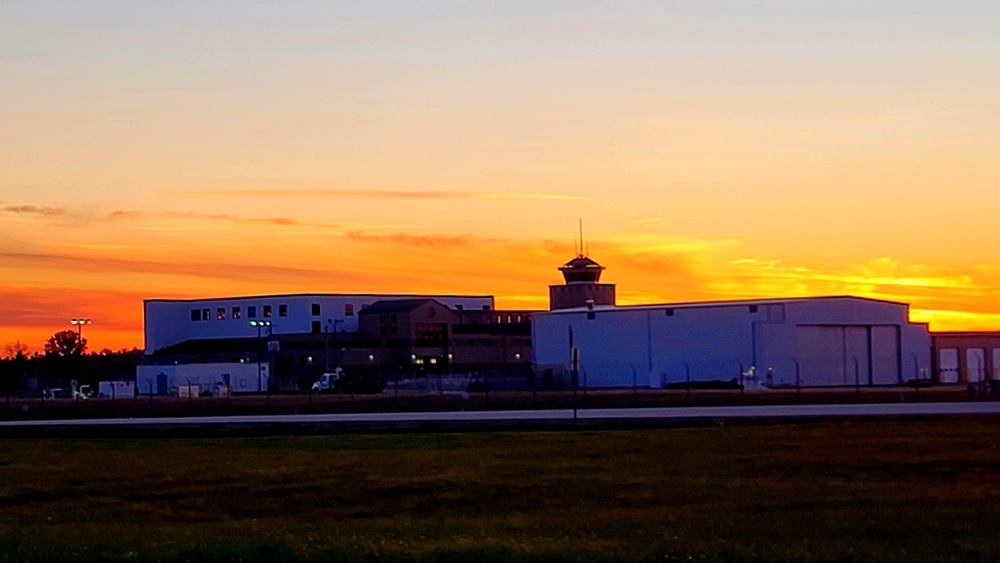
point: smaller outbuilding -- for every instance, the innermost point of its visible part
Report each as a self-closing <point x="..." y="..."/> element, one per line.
<point x="967" y="357"/>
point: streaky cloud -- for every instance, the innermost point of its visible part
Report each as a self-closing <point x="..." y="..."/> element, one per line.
<point x="35" y="210"/>
<point x="378" y="194"/>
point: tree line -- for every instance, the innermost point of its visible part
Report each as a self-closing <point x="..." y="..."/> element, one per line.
<point x="65" y="358"/>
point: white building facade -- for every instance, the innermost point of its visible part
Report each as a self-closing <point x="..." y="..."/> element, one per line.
<point x="170" y="322"/>
<point x="215" y="379"/>
<point x="812" y="342"/>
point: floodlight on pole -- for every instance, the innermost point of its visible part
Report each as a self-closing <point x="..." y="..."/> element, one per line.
<point x="79" y="325"/>
<point x="259" y="325"/>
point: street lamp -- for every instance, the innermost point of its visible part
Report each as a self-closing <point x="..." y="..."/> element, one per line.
<point x="79" y="326"/>
<point x="336" y="354"/>
<point x="260" y="325"/>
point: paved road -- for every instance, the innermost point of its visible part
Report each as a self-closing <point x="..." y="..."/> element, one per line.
<point x="554" y="416"/>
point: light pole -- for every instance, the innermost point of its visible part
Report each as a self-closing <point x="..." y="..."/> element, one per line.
<point x="336" y="349"/>
<point x="260" y="325"/>
<point x="79" y="333"/>
<point x="79" y="327"/>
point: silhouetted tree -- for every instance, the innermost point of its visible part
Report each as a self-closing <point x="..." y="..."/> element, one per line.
<point x="15" y="349"/>
<point x="108" y="364"/>
<point x="64" y="360"/>
<point x="65" y="343"/>
<point x="14" y="366"/>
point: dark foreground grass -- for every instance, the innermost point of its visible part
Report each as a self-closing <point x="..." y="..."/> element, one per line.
<point x="878" y="490"/>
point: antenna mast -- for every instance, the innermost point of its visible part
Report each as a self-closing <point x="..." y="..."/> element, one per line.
<point x="581" y="253"/>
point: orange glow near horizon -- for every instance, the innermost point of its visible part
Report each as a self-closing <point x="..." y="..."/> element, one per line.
<point x="189" y="256"/>
<point x="779" y="149"/>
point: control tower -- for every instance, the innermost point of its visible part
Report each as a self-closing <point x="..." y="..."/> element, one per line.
<point x="582" y="287"/>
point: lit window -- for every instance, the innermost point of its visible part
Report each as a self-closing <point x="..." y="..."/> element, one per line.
<point x="267" y="311"/>
<point x="220" y="313"/>
<point x="237" y="313"/>
<point x="282" y="310"/>
<point x="316" y="309"/>
<point x="206" y="314"/>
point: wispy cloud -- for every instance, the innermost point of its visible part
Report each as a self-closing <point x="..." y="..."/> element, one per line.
<point x="125" y="214"/>
<point x="36" y="210"/>
<point x="377" y="194"/>
<point x="216" y="270"/>
<point x="409" y="240"/>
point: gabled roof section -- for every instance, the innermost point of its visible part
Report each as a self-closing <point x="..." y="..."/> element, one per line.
<point x="316" y="295"/>
<point x="397" y="306"/>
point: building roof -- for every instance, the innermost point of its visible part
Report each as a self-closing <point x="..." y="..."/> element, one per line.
<point x="397" y="306"/>
<point x="215" y="346"/>
<point x="724" y="303"/>
<point x="320" y="295"/>
<point x="581" y="263"/>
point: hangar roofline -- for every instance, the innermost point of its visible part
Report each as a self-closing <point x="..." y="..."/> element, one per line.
<point x="357" y="295"/>
<point x="724" y="303"/>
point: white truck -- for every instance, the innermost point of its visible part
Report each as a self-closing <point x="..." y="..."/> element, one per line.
<point x="339" y="381"/>
<point x="329" y="382"/>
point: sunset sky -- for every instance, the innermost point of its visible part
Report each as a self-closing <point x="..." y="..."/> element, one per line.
<point x="715" y="150"/>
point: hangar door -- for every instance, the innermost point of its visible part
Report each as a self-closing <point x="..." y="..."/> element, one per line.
<point x="847" y="354"/>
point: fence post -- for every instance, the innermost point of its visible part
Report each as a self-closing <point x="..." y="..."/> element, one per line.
<point x="798" y="378"/>
<point x="534" y="393"/>
<point x="687" y="375"/>
<point x="635" y="387"/>
<point x="441" y="391"/>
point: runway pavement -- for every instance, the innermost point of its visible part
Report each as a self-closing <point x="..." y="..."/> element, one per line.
<point x="562" y="416"/>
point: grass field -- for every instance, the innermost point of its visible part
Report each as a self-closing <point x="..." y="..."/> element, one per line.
<point x="862" y="491"/>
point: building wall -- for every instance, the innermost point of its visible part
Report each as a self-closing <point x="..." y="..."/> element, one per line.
<point x="966" y="357"/>
<point x="166" y="379"/>
<point x="578" y="294"/>
<point x="661" y="345"/>
<point x="169" y="322"/>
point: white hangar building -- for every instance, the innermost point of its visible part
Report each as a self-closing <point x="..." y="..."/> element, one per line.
<point x="821" y="341"/>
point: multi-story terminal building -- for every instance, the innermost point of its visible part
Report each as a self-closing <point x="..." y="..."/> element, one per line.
<point x="284" y="342"/>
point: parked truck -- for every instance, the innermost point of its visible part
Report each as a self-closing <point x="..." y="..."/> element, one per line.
<point x="338" y="381"/>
